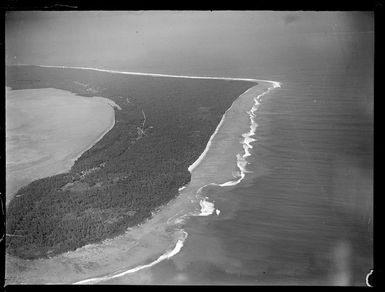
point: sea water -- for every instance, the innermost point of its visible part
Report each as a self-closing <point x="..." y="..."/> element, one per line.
<point x="303" y="213"/>
<point x="304" y="216"/>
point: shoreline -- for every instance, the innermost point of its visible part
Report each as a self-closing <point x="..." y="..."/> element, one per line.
<point x="63" y="164"/>
<point x="97" y="139"/>
<point x="151" y="232"/>
<point x="207" y="207"/>
<point x="275" y="83"/>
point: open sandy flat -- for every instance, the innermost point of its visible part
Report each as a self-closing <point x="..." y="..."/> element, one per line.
<point x="145" y="243"/>
<point x="46" y="129"/>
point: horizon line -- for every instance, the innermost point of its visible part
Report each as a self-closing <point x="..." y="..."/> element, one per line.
<point x="276" y="83"/>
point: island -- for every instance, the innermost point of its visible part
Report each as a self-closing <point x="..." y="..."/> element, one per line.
<point x="162" y="125"/>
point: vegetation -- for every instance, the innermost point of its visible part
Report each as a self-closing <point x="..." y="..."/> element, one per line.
<point x="163" y="126"/>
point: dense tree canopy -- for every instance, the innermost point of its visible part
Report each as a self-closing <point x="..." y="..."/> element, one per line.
<point x="134" y="169"/>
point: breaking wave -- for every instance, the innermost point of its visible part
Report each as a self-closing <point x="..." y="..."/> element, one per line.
<point x="207" y="207"/>
<point x="165" y="256"/>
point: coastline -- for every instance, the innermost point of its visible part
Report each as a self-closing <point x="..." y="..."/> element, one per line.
<point x="145" y="242"/>
<point x="275" y="83"/>
<point x="207" y="207"/>
<point x="75" y="156"/>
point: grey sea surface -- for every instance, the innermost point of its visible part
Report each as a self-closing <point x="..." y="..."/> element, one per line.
<point x="304" y="213"/>
<point x="304" y="216"/>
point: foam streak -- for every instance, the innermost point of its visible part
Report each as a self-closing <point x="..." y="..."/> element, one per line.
<point x="165" y="256"/>
<point x="207" y="208"/>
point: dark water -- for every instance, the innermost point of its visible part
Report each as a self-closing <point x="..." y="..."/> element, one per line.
<point x="304" y="216"/>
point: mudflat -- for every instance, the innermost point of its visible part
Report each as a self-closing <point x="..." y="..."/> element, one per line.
<point x="47" y="129"/>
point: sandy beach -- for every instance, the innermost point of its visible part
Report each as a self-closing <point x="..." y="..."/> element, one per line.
<point x="147" y="242"/>
<point x="170" y="157"/>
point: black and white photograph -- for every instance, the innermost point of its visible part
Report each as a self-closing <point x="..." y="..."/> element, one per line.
<point x="189" y="147"/>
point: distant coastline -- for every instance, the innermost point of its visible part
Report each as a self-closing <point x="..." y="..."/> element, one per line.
<point x="205" y="173"/>
<point x="145" y="231"/>
<point x="132" y="164"/>
<point x="148" y="74"/>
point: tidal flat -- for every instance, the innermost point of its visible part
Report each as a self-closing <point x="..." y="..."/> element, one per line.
<point x="46" y="129"/>
<point x="143" y="244"/>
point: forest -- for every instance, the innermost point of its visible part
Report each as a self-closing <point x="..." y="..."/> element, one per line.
<point x="162" y="127"/>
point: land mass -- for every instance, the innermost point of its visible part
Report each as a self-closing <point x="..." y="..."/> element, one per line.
<point x="161" y="127"/>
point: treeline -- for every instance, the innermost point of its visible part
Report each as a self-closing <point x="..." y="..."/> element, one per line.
<point x="132" y="174"/>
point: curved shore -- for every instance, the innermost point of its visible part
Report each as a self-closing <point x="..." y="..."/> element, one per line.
<point x="20" y="174"/>
<point x="147" y="242"/>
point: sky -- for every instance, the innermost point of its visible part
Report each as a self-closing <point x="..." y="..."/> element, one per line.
<point x="177" y="41"/>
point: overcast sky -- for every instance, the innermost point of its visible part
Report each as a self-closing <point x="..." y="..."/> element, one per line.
<point x="169" y="40"/>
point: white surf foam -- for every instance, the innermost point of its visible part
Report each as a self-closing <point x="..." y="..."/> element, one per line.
<point x="246" y="142"/>
<point x="207" y="208"/>
<point x="181" y="188"/>
<point x="165" y="256"/>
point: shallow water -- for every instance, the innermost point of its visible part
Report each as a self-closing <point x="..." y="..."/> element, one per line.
<point x="304" y="214"/>
<point x="47" y="129"/>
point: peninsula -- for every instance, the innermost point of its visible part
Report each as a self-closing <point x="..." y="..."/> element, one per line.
<point x="162" y="125"/>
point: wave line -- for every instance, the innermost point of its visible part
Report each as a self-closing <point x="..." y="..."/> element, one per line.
<point x="207" y="208"/>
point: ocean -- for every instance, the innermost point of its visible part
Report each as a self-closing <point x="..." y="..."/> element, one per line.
<point x="303" y="214"/>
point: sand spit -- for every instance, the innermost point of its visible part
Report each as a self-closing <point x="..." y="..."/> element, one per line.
<point x="274" y="83"/>
<point x="145" y="245"/>
<point x="205" y="170"/>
